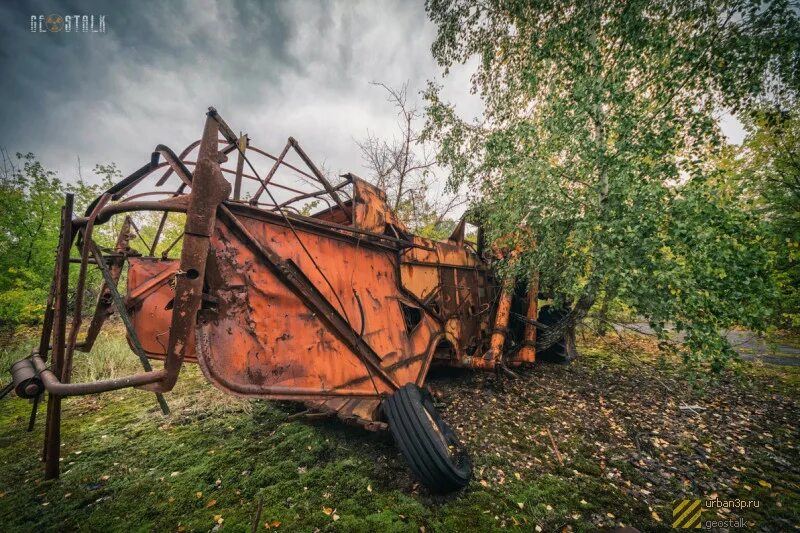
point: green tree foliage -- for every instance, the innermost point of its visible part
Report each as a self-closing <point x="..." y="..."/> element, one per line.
<point x="597" y="149"/>
<point x="30" y="212"/>
<point x="31" y="198"/>
<point x="768" y="165"/>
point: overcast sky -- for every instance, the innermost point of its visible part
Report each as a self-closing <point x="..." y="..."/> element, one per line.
<point x="272" y="69"/>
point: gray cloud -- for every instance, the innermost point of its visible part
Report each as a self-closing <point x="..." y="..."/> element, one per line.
<point x="272" y="69"/>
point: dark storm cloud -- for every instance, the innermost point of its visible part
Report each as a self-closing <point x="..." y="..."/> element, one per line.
<point x="273" y="69"/>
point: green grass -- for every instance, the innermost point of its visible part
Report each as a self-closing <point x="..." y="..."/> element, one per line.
<point x="110" y="356"/>
<point x="209" y="464"/>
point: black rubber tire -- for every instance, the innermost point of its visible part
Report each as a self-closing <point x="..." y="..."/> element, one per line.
<point x="431" y="449"/>
<point x="557" y="353"/>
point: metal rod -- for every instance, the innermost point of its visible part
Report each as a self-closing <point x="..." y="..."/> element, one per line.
<point x="209" y="189"/>
<point x="310" y="195"/>
<point x="79" y="292"/>
<point x="171" y="246"/>
<point x="318" y="174"/>
<point x="53" y="431"/>
<point x="103" y="308"/>
<point x="237" y="186"/>
<point x="177" y="205"/>
<point x="163" y="221"/>
<point x="57" y="389"/>
<point x="34" y="410"/>
<point x="126" y="319"/>
<point x="287" y="165"/>
<point x="139" y="234"/>
<point x="272" y="171"/>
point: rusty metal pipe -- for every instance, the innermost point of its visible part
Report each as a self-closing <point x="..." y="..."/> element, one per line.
<point x="176" y="205"/>
<point x="527" y="353"/>
<point x="52" y="436"/>
<point x="55" y="387"/>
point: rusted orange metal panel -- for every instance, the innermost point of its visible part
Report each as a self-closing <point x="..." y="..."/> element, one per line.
<point x="527" y="352"/>
<point x="152" y="313"/>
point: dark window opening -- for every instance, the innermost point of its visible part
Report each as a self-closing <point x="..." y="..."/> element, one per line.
<point x="412" y="316"/>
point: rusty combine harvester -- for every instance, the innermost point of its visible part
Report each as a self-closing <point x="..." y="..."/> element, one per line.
<point x="342" y="309"/>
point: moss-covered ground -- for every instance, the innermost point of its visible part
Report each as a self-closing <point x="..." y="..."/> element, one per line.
<point x="598" y="443"/>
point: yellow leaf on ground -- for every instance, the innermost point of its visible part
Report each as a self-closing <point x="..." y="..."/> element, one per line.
<point x="211" y="503"/>
<point x="655" y="516"/>
<point x="766" y="484"/>
<point x="327" y="510"/>
<point x="198" y="494"/>
<point x="520" y="505"/>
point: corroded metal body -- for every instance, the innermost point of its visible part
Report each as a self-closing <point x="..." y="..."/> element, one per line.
<point x="272" y="296"/>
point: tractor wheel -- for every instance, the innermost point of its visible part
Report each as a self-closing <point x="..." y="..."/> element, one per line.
<point x="430" y="447"/>
<point x="557" y="353"/>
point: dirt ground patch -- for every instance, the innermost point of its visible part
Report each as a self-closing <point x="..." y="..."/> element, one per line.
<point x="614" y="416"/>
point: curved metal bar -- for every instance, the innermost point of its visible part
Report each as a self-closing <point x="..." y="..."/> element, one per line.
<point x="175" y="163"/>
<point x="120" y="188"/>
<point x="311" y="195"/>
<point x="170" y="194"/>
<point x="56" y="388"/>
<point x="186" y="151"/>
<point x="177" y="205"/>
